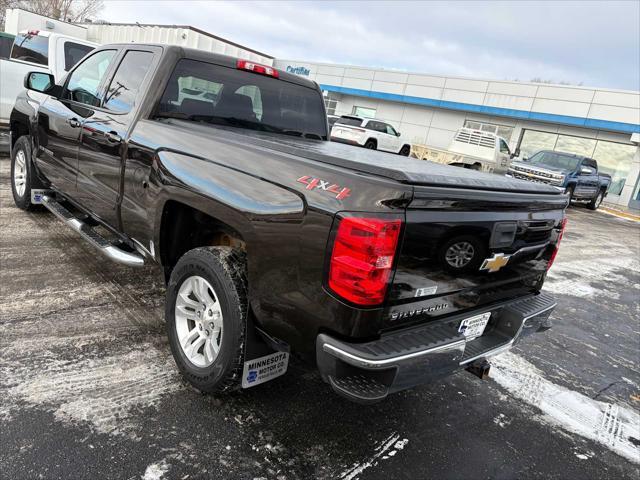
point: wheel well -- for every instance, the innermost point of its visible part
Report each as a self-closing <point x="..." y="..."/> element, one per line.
<point x="405" y="145"/>
<point x="184" y="228"/>
<point x="18" y="129"/>
<point x="372" y="140"/>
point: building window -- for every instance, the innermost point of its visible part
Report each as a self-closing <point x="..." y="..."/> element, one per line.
<point x="500" y="130"/>
<point x="330" y="101"/>
<point x="364" y="112"/>
<point x="613" y="158"/>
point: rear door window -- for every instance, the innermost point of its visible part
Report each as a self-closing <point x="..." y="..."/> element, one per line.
<point x="377" y="126"/>
<point x="31" y="48"/>
<point x="125" y="84"/>
<point x="73" y="53"/>
<point x="206" y="92"/>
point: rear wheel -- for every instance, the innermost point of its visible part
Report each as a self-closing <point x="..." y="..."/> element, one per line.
<point x="596" y="201"/>
<point x="405" y="151"/>
<point x="206" y="310"/>
<point x="370" y="145"/>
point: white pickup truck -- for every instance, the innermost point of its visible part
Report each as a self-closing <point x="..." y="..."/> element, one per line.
<point x="472" y="149"/>
<point x="34" y="50"/>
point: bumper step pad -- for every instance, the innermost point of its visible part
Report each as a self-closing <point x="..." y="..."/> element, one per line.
<point x="362" y="388"/>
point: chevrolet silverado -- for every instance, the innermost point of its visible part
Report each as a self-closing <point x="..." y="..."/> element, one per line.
<point x="385" y="272"/>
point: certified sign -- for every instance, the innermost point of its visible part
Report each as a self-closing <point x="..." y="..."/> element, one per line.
<point x="263" y="369"/>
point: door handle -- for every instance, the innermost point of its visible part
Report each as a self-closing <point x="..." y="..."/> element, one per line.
<point x="113" y="137"/>
<point x="73" y="122"/>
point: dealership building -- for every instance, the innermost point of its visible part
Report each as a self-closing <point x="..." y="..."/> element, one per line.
<point x="427" y="109"/>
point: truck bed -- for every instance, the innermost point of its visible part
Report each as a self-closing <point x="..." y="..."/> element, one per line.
<point x="402" y="169"/>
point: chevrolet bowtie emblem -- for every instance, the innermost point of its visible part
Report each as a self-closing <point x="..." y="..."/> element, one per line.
<point x="496" y="262"/>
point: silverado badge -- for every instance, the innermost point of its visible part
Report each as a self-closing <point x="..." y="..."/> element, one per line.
<point x="495" y="262"/>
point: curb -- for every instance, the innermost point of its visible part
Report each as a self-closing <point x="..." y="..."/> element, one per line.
<point x="620" y="214"/>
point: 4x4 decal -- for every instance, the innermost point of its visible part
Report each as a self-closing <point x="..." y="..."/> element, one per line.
<point x="311" y="183"/>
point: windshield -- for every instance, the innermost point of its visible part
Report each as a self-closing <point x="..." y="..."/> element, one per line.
<point x="555" y="160"/>
<point x="204" y="92"/>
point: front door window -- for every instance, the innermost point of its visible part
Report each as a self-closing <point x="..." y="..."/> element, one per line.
<point x="84" y="83"/>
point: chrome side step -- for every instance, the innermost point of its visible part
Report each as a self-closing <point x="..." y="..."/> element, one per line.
<point x="132" y="259"/>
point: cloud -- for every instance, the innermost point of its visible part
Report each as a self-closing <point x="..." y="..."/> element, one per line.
<point x="595" y="43"/>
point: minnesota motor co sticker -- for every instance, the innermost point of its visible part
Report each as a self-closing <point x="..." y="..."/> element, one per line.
<point x="263" y="369"/>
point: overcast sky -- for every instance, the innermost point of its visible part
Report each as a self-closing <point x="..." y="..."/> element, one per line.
<point x="588" y="42"/>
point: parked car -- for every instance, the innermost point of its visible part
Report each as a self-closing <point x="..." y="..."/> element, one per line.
<point x="574" y="174"/>
<point x="369" y="133"/>
<point x="331" y="120"/>
<point x="6" y="41"/>
<point x="384" y="272"/>
<point x="35" y="50"/>
<point x="473" y="149"/>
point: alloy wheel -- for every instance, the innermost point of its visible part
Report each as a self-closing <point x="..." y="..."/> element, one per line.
<point x="198" y="321"/>
<point x="20" y="173"/>
<point x="459" y="254"/>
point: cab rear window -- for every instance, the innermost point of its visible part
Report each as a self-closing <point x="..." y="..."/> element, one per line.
<point x="31" y="48"/>
<point x="205" y="92"/>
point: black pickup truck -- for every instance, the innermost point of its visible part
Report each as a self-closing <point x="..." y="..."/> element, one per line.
<point x="386" y="272"/>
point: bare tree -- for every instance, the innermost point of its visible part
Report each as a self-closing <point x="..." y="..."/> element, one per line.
<point x="66" y="10"/>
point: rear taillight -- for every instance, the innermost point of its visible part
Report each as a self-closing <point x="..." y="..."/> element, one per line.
<point x="556" y="247"/>
<point x="362" y="258"/>
<point x="257" y="68"/>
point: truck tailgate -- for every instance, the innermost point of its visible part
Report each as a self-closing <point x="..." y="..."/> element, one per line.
<point x="463" y="250"/>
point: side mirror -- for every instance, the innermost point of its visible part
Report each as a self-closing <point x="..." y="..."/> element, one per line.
<point x="586" y="171"/>
<point x="39" y="82"/>
<point x="525" y="159"/>
<point x="397" y="134"/>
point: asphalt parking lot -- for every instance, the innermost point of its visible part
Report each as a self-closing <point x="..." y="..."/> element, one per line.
<point x="89" y="388"/>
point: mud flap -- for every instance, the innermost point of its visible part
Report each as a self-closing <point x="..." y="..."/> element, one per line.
<point x="265" y="357"/>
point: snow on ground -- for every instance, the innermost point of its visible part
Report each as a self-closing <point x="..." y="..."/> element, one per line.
<point x="614" y="426"/>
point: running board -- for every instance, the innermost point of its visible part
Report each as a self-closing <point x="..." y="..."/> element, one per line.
<point x="132" y="259"/>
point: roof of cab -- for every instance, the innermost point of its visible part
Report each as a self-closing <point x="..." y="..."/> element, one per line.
<point x="219" y="59"/>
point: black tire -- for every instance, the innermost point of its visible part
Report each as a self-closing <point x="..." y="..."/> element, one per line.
<point x="479" y="253"/>
<point x="405" y="151"/>
<point x="225" y="270"/>
<point x="596" y="201"/>
<point x="371" y="145"/>
<point x="22" y="149"/>
<point x="569" y="191"/>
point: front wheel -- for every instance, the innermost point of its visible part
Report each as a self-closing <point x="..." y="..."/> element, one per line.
<point x="206" y="312"/>
<point x="22" y="176"/>
<point x="370" y="145"/>
<point x="405" y="151"/>
<point x="569" y="191"/>
<point x="596" y="201"/>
